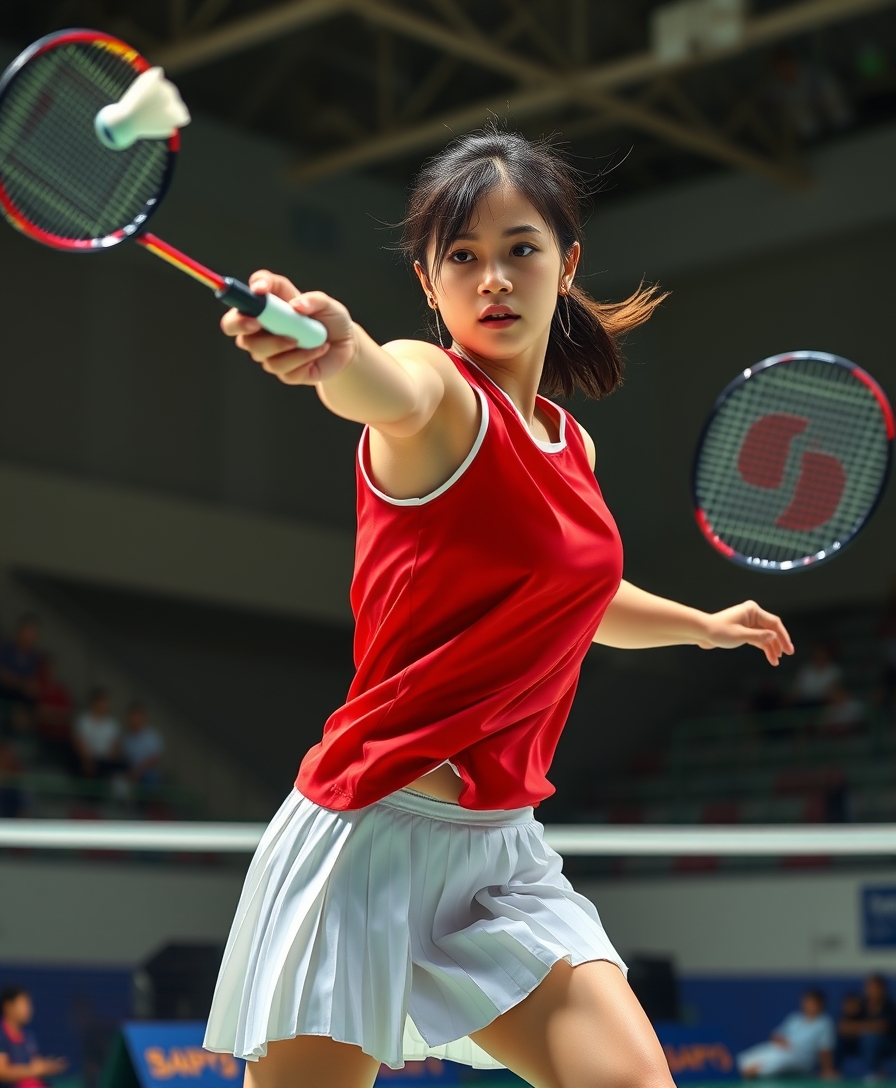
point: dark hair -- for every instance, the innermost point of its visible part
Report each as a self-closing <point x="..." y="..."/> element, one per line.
<point x="816" y="995"/>
<point x="10" y="993"/>
<point x="441" y="204"/>
<point x="96" y="693"/>
<point x="878" y="980"/>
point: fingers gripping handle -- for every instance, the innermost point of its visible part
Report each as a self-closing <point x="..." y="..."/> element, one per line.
<point x="272" y="313"/>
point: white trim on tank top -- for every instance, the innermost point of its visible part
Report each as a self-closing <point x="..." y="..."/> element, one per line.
<point x="453" y="478"/>
<point x="548" y="447"/>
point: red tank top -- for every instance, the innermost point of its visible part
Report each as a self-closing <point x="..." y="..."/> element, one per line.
<point x="474" y="607"/>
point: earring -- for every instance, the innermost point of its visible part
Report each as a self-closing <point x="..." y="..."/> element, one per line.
<point x="439" y="328"/>
<point x="567" y="330"/>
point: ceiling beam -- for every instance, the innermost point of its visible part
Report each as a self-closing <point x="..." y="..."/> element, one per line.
<point x="796" y="18"/>
<point x="241" y="34"/>
<point x="234" y="37"/>
<point x="400" y="141"/>
<point x="547" y="88"/>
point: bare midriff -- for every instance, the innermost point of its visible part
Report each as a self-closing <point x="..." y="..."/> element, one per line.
<point x="442" y="783"/>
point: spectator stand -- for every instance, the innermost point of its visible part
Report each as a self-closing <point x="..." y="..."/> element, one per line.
<point x="815" y="746"/>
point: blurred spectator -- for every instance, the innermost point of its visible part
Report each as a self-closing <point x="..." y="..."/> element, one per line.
<point x="842" y="713"/>
<point x="836" y="797"/>
<point x="142" y="748"/>
<point x="847" y="1039"/>
<point x="54" y="710"/>
<point x="803" y="1043"/>
<point x="97" y="737"/>
<point x="21" y="735"/>
<point x="887" y="636"/>
<point x="19" y="663"/>
<point x="817" y="680"/>
<point x="12" y="800"/>
<point x="873" y="1028"/>
<point x="20" y="1062"/>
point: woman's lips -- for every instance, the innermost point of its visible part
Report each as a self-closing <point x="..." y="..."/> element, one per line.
<point x="499" y="321"/>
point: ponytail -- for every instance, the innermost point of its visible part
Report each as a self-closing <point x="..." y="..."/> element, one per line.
<point x="585" y="344"/>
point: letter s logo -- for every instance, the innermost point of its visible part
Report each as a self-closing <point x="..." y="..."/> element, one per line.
<point x="763" y="459"/>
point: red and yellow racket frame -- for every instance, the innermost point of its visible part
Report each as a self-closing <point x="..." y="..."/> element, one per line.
<point x="135" y="230"/>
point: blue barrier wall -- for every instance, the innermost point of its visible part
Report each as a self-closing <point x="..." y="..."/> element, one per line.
<point x="748" y="1009"/>
<point x="78" y="1010"/>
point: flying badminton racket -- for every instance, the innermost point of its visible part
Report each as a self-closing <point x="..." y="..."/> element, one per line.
<point x="792" y="461"/>
<point x="88" y="142"/>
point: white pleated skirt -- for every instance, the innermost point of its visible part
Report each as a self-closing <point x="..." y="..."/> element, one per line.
<point x="401" y="927"/>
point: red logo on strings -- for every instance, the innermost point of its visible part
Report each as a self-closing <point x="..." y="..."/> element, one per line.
<point x="763" y="459"/>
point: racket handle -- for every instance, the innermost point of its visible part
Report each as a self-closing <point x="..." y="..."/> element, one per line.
<point x="272" y="313"/>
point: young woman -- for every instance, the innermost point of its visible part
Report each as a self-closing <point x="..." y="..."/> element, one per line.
<point x="403" y="902"/>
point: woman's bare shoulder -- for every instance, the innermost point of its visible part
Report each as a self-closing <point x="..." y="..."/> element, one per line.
<point x="420" y="352"/>
<point x="416" y="351"/>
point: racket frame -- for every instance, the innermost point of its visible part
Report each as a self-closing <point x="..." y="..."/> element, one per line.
<point x="273" y="313"/>
<point x="789" y="566"/>
<point x="139" y="63"/>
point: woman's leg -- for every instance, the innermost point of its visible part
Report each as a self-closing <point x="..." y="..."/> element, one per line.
<point x="581" y="1028"/>
<point x="310" y="1061"/>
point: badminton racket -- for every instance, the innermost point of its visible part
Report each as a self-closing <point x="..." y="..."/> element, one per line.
<point x="792" y="461"/>
<point x="82" y="167"/>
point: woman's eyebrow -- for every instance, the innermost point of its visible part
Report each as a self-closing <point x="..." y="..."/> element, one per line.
<point x="523" y="228"/>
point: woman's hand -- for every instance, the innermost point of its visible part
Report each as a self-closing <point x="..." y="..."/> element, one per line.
<point x="279" y="355"/>
<point x="747" y="623"/>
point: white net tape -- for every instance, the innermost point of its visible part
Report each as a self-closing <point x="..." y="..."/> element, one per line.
<point x="569" y="839"/>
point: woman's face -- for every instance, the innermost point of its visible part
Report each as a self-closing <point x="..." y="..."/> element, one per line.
<point x="497" y="287"/>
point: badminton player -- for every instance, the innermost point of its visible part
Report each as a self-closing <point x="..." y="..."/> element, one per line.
<point x="402" y="902"/>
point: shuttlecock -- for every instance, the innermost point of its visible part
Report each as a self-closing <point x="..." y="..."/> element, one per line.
<point x="150" y="109"/>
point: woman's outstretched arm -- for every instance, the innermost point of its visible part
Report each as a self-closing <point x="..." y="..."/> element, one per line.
<point x="637" y="620"/>
<point x="396" y="390"/>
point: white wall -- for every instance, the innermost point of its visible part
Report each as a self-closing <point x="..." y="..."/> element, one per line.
<point x="777" y="923"/>
<point x="737" y="216"/>
<point x="101" y="913"/>
<point x="55" y="911"/>
<point x="78" y="528"/>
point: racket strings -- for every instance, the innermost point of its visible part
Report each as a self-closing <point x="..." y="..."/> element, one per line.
<point x="55" y="171"/>
<point x="793" y="461"/>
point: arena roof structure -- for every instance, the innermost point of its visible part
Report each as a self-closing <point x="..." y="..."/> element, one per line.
<point x="648" y="93"/>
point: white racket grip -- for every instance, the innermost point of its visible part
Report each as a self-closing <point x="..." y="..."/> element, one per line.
<point x="281" y="319"/>
<point x="272" y="313"/>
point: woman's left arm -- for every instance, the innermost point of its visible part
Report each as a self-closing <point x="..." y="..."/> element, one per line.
<point x="637" y="620"/>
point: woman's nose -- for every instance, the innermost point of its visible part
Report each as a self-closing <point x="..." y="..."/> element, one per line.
<point x="494" y="281"/>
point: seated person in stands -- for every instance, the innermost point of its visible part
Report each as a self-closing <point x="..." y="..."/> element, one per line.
<point x="54" y="711"/>
<point x="843" y="713"/>
<point x="816" y="681"/>
<point x="803" y="1043"/>
<point x="886" y="633"/>
<point x="870" y="1032"/>
<point x="20" y="1061"/>
<point x="12" y="799"/>
<point x="19" y="664"/>
<point x="97" y="737"/>
<point x="142" y="748"/>
<point x="847" y="1040"/>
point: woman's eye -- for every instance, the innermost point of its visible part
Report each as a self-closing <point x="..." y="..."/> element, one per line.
<point x="462" y="256"/>
<point x="523" y="249"/>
